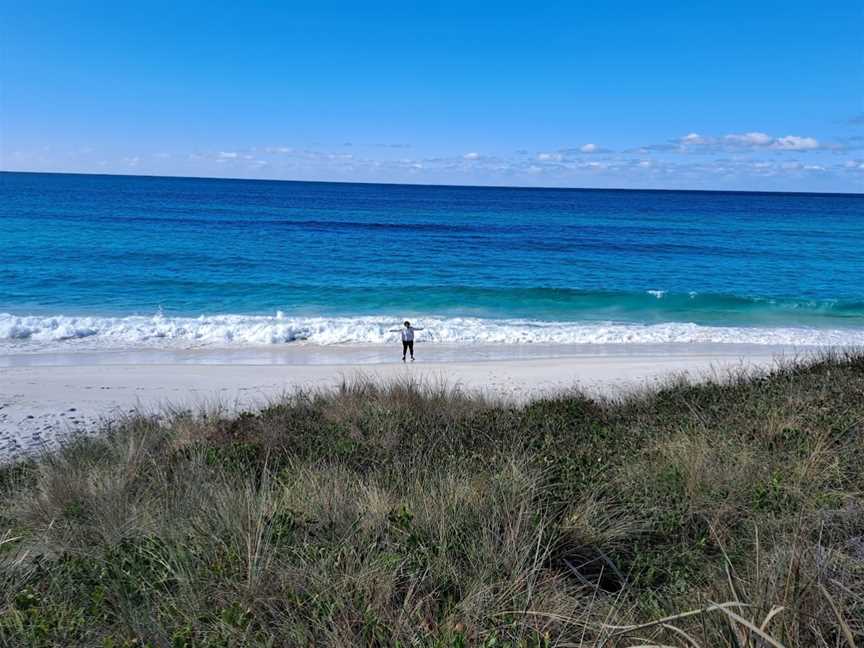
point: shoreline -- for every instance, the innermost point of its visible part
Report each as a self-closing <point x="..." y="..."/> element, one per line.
<point x="304" y="353"/>
<point x="49" y="398"/>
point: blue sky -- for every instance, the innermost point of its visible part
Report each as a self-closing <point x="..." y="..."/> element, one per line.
<point x="710" y="95"/>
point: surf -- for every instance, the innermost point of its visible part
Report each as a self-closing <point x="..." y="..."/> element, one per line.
<point x="232" y="330"/>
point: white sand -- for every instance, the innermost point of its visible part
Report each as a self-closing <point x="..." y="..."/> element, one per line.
<point x="44" y="399"/>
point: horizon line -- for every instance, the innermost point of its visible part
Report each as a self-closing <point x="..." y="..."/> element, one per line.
<point x="437" y="185"/>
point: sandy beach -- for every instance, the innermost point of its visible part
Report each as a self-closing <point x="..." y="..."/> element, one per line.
<point x="46" y="398"/>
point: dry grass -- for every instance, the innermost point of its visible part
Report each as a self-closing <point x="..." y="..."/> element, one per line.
<point x="727" y="513"/>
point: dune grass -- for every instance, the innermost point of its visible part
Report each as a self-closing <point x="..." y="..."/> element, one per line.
<point x="727" y="513"/>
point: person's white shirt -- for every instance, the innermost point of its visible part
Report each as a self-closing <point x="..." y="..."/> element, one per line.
<point x="407" y="332"/>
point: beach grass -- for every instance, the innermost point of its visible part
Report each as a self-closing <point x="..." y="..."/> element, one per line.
<point x="726" y="513"/>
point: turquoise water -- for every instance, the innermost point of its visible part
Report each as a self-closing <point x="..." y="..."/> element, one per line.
<point x="128" y="260"/>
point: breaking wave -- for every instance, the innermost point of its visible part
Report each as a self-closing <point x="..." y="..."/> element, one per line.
<point x="256" y="330"/>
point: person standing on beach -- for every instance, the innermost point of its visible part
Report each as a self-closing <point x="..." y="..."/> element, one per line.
<point x="407" y="338"/>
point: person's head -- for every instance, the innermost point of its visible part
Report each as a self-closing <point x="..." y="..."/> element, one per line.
<point x="407" y="323"/>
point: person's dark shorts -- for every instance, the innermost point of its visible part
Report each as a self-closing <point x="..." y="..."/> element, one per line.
<point x="408" y="346"/>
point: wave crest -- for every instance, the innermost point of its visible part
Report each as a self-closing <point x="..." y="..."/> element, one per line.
<point x="257" y="330"/>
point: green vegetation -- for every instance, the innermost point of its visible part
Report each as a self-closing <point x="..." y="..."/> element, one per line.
<point x="727" y="513"/>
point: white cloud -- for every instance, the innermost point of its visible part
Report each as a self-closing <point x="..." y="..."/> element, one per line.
<point x="750" y="139"/>
<point x="795" y="143"/>
<point x="570" y="154"/>
<point x="746" y="159"/>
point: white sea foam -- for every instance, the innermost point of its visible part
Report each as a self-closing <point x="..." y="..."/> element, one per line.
<point x="35" y="332"/>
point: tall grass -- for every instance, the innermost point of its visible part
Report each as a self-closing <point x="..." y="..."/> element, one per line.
<point x="725" y="513"/>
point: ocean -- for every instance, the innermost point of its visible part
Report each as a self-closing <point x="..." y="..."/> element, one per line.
<point x="90" y="261"/>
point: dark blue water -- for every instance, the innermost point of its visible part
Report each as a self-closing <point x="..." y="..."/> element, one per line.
<point x="115" y="247"/>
